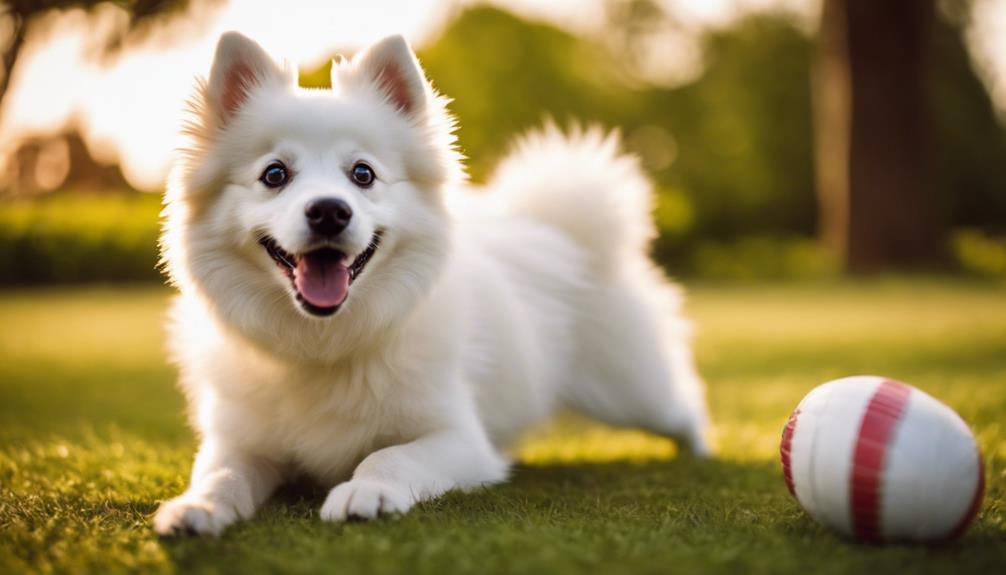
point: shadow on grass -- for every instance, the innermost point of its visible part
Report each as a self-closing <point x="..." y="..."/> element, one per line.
<point x="622" y="516"/>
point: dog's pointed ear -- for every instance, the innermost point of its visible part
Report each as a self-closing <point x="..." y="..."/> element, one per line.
<point x="239" y="67"/>
<point x="392" y="67"/>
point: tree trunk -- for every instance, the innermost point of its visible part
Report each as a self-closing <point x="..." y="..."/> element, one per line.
<point x="11" y="53"/>
<point x="872" y="139"/>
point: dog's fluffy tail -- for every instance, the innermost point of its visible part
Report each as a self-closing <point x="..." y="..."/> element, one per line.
<point x="583" y="184"/>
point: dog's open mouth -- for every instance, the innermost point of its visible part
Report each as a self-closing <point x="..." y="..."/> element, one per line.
<point x="321" y="277"/>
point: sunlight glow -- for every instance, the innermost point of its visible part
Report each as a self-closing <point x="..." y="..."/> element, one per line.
<point x="129" y="109"/>
<point x="128" y="106"/>
<point x="987" y="40"/>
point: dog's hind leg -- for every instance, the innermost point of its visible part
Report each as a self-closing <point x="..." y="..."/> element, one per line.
<point x="634" y="366"/>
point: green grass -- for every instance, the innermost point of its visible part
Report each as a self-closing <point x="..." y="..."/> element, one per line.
<point x="92" y="437"/>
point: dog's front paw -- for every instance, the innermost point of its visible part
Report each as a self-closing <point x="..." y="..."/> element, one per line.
<point x="365" y="499"/>
<point x="189" y="515"/>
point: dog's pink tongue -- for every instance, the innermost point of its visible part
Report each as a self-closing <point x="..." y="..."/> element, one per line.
<point x="322" y="279"/>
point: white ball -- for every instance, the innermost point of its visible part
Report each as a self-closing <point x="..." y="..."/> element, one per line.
<point x="879" y="460"/>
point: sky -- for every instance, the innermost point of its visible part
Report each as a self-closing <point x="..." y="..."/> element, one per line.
<point x="129" y="107"/>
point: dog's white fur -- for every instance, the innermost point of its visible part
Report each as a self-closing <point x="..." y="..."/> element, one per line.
<point x="479" y="315"/>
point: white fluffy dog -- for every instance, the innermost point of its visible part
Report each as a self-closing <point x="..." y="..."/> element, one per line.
<point x="350" y="313"/>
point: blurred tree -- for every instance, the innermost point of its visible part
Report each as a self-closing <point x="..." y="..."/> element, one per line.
<point x="744" y="131"/>
<point x="731" y="151"/>
<point x="506" y="74"/>
<point x="19" y="15"/>
<point x="969" y="144"/>
<point x="734" y="144"/>
<point x="46" y="162"/>
<point x="877" y="199"/>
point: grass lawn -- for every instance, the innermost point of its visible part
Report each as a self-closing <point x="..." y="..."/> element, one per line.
<point x="92" y="437"/>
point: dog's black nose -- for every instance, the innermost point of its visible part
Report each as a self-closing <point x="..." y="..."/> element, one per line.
<point x="328" y="216"/>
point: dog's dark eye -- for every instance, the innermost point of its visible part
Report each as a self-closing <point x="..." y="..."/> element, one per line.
<point x="275" y="175"/>
<point x="363" y="175"/>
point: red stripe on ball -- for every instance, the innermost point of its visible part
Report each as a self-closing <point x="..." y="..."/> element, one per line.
<point x="875" y="432"/>
<point x="785" y="449"/>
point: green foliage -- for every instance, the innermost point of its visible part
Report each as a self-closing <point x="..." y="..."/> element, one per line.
<point x="68" y="237"/>
<point x="319" y="77"/>
<point x="744" y="134"/>
<point x="505" y="75"/>
<point x="739" y="138"/>
<point x="730" y="153"/>
<point x="969" y="144"/>
<point x="979" y="254"/>
<point x="92" y="437"/>
<point x="756" y="257"/>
